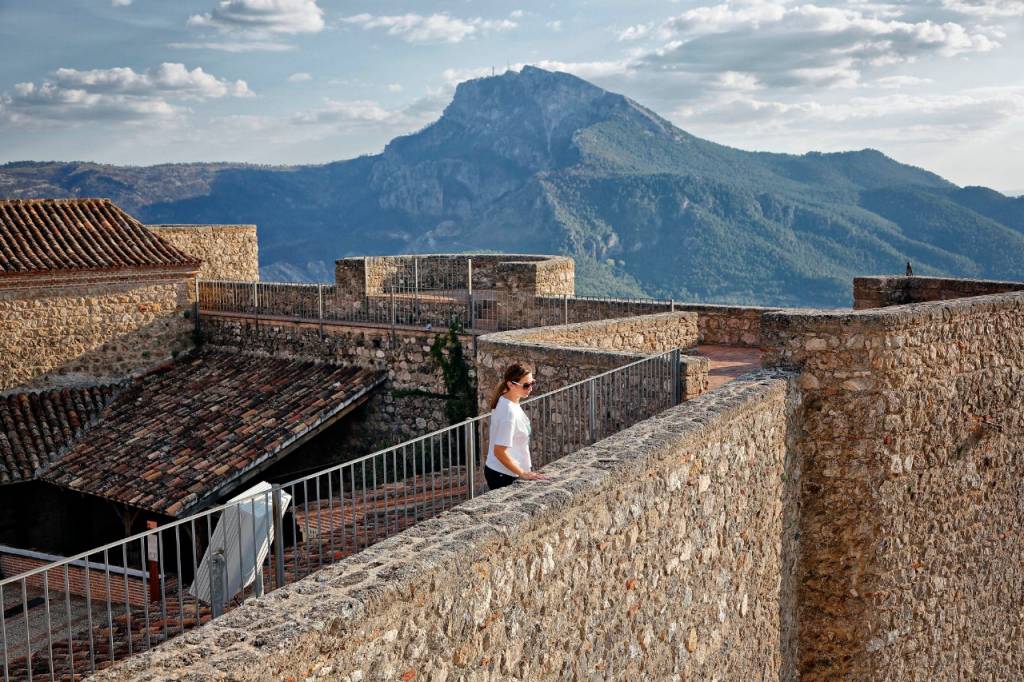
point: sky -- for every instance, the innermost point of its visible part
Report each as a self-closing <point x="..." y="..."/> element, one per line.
<point x="934" y="83"/>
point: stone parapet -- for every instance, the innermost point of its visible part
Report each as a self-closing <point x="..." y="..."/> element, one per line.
<point x="359" y="277"/>
<point x="565" y="354"/>
<point x="228" y="252"/>
<point x="880" y="292"/>
<point x="658" y="553"/>
<point x="725" y="325"/>
<point x="911" y="513"/>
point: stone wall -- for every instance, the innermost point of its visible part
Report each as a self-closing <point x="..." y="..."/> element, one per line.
<point x="716" y="324"/>
<point x="228" y="252"/>
<point x="412" y="400"/>
<point x="357" y="277"/>
<point x="647" y="334"/>
<point x="565" y="354"/>
<point x="880" y="292"/>
<point x="66" y="329"/>
<point x="656" y="554"/>
<point x="727" y="325"/>
<point x="912" y="524"/>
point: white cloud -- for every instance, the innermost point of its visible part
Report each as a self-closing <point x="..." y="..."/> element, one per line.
<point x="898" y="117"/>
<point x="168" y="78"/>
<point x="46" y="102"/>
<point x="300" y="77"/>
<point x="394" y="87"/>
<point x="120" y="3"/>
<point x="347" y="116"/>
<point x="554" y="25"/>
<point x="734" y="80"/>
<point x="800" y="45"/>
<point x="260" y="18"/>
<point x="636" y="32"/>
<point x="585" y="69"/>
<point x="352" y="111"/>
<point x="895" y="82"/>
<point x="235" y="46"/>
<point x="114" y="94"/>
<point x="435" y="28"/>
<point x="986" y="9"/>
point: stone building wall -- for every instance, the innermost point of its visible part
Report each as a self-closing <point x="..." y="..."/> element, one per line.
<point x="880" y="292"/>
<point x="412" y="400"/>
<point x="656" y="554"/>
<point x="64" y="329"/>
<point x="912" y="524"/>
<point x="228" y="252"/>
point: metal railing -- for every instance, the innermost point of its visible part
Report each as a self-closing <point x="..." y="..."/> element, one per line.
<point x="475" y="310"/>
<point x="81" y="614"/>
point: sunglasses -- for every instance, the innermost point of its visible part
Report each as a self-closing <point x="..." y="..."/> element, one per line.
<point x="527" y="385"/>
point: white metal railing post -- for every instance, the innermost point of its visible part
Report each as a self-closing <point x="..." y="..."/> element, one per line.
<point x="394" y="314"/>
<point x="276" y="508"/>
<point x="255" y="297"/>
<point x="672" y="305"/>
<point x="677" y="388"/>
<point x="470" y="427"/>
<point x="320" y="307"/>
<point x="471" y="313"/>
<point x="416" y="285"/>
<point x="218" y="598"/>
<point x="592" y="409"/>
<point x="565" y="308"/>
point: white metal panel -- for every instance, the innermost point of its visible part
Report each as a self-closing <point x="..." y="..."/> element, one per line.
<point x="243" y="535"/>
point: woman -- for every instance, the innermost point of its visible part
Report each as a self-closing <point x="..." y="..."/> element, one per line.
<point x="508" y="454"/>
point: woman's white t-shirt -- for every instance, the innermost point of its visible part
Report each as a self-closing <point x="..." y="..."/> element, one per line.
<point x="509" y="427"/>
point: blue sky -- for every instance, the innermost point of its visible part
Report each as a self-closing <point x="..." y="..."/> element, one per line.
<point x="935" y="83"/>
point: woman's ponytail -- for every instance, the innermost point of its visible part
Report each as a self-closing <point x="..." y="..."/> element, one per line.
<point x="513" y="372"/>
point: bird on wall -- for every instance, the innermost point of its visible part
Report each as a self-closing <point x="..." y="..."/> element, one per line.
<point x="910" y="270"/>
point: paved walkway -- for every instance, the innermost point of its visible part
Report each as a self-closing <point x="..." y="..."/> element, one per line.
<point x="729" y="362"/>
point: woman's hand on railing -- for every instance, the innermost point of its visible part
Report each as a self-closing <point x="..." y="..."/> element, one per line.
<point x="533" y="476"/>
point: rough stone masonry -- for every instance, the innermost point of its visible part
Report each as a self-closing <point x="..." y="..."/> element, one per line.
<point x="856" y="515"/>
<point x="655" y="554"/>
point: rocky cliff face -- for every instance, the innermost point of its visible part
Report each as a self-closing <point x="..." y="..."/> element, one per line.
<point x="542" y="161"/>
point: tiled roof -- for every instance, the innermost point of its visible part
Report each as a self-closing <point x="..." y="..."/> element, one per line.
<point x="42" y="235"/>
<point x="36" y="428"/>
<point x="184" y="435"/>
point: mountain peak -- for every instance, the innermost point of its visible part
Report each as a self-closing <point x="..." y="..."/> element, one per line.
<point x="529" y="117"/>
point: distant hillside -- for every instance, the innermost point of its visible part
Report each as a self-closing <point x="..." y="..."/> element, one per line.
<point x="541" y="161"/>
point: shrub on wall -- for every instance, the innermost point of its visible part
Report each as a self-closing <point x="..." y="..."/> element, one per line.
<point x="448" y="354"/>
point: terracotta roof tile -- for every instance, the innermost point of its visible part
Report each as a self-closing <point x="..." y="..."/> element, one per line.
<point x="200" y="424"/>
<point x="37" y="427"/>
<point x="43" y="235"/>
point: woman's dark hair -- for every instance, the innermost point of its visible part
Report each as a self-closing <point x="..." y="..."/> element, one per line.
<point x="513" y="372"/>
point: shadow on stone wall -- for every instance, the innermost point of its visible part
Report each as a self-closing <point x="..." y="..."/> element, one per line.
<point x="84" y="334"/>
